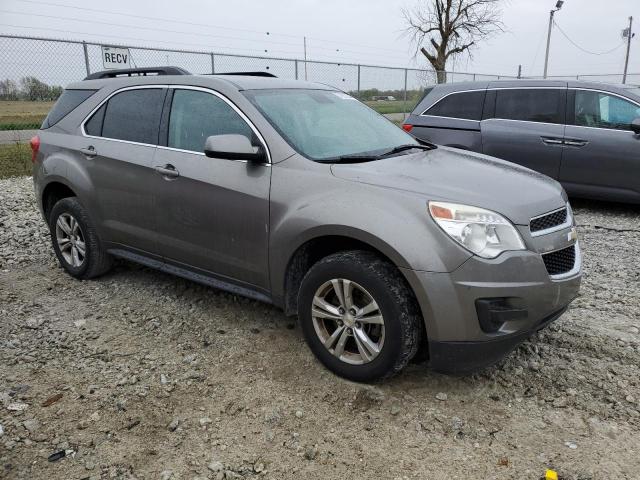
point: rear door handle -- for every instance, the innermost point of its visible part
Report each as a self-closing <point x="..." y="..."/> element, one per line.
<point x="575" y="143"/>
<point x="168" y="171"/>
<point x="90" y="151"/>
<point x="552" y="141"/>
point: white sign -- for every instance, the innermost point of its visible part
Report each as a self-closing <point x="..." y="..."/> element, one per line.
<point x="113" y="57"/>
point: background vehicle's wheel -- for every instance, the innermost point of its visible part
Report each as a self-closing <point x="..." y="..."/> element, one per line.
<point x="75" y="241"/>
<point x="359" y="316"/>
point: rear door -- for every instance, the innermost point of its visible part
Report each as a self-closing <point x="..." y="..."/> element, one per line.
<point x="213" y="214"/>
<point x="120" y="139"/>
<point x="526" y="126"/>
<point x="602" y="154"/>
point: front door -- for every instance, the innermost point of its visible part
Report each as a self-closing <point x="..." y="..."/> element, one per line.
<point x="213" y="214"/>
<point x="526" y="127"/>
<point x="601" y="155"/>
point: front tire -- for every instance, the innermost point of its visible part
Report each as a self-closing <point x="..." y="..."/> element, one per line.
<point x="359" y="316"/>
<point x="75" y="241"/>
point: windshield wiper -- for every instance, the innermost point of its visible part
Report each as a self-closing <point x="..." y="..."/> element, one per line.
<point x="361" y="157"/>
<point x="402" y="148"/>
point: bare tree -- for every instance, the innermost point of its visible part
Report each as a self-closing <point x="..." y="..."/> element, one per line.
<point x="450" y="28"/>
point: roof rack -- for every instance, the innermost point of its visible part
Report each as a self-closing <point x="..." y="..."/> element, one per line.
<point x="248" y="74"/>
<point x="143" y="71"/>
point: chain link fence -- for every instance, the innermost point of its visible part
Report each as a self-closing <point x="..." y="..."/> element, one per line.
<point x="34" y="71"/>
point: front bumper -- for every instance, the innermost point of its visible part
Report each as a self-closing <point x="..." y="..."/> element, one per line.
<point x="449" y="302"/>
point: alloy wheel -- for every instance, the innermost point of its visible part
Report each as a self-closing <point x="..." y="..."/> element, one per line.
<point x="348" y="321"/>
<point x="70" y="240"/>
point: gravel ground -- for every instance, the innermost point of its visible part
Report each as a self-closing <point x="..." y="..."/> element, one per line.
<point x="142" y="375"/>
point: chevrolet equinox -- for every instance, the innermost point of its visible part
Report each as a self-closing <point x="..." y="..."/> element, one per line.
<point x="297" y="194"/>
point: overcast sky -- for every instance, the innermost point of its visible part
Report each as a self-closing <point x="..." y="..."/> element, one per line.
<point x="358" y="31"/>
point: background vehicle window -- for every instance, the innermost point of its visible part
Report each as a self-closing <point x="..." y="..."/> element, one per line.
<point x="197" y="115"/>
<point x="534" y="105"/>
<point x="596" y="109"/>
<point x="466" y="105"/>
<point x="67" y="102"/>
<point x="134" y="115"/>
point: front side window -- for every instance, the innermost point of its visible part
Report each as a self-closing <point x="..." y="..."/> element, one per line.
<point x="196" y="115"/>
<point x="531" y="105"/>
<point x="132" y="115"/>
<point x="325" y="124"/>
<point x="601" y="110"/>
<point x="466" y="105"/>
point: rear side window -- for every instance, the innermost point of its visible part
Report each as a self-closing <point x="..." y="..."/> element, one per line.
<point x="467" y="105"/>
<point x="132" y="115"/>
<point x="531" y="105"/>
<point x="196" y="115"/>
<point x="67" y="102"/>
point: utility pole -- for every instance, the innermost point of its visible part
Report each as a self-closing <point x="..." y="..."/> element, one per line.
<point x="626" y="60"/>
<point x="551" y="14"/>
<point x="305" y="58"/>
<point x="519" y="71"/>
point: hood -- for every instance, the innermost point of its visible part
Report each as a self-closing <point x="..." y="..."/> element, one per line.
<point x="458" y="176"/>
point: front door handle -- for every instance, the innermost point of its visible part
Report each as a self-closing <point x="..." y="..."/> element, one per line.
<point x="552" y="141"/>
<point x="167" y="171"/>
<point x="90" y="151"/>
<point x="575" y="142"/>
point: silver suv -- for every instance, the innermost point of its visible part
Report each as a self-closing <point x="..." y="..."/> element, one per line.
<point x="297" y="194"/>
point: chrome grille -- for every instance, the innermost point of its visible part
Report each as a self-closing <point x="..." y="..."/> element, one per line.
<point x="560" y="261"/>
<point x="548" y="220"/>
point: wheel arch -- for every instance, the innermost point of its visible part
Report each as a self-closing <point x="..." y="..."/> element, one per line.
<point x="53" y="192"/>
<point x="318" y="245"/>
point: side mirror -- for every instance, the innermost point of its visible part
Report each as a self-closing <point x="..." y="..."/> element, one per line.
<point x="233" y="147"/>
<point x="635" y="126"/>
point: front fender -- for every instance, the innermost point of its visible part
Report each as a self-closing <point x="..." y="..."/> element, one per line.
<point x="309" y="203"/>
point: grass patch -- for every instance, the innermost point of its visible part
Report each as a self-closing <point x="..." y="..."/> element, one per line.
<point x="397" y="106"/>
<point x="15" y="160"/>
<point x="22" y="115"/>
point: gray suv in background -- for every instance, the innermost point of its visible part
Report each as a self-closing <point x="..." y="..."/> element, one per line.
<point x="585" y="135"/>
<point x="297" y="194"/>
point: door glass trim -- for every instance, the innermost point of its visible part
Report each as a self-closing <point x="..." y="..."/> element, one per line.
<point x="185" y="87"/>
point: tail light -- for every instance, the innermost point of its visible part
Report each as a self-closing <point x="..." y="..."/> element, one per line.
<point x="406" y="127"/>
<point x="35" y="147"/>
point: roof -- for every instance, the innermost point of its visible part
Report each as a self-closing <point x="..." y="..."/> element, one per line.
<point x="241" y="82"/>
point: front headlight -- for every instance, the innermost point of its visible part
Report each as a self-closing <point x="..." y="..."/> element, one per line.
<point x="483" y="232"/>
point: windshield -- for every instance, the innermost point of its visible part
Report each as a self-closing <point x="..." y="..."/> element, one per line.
<point x="327" y="125"/>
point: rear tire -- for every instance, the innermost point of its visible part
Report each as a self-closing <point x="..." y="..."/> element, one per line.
<point x="75" y="241"/>
<point x="359" y="316"/>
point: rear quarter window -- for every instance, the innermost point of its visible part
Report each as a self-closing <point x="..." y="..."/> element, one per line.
<point x="67" y="102"/>
<point x="465" y="105"/>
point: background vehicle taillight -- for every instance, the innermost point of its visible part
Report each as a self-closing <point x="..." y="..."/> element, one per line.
<point x="35" y="147"/>
<point x="406" y="127"/>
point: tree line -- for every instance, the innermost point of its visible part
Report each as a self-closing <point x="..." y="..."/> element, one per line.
<point x="29" y="88"/>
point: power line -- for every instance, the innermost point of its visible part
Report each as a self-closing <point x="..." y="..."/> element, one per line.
<point x="214" y="49"/>
<point x="206" y="25"/>
<point x="182" y="32"/>
<point x="584" y="49"/>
